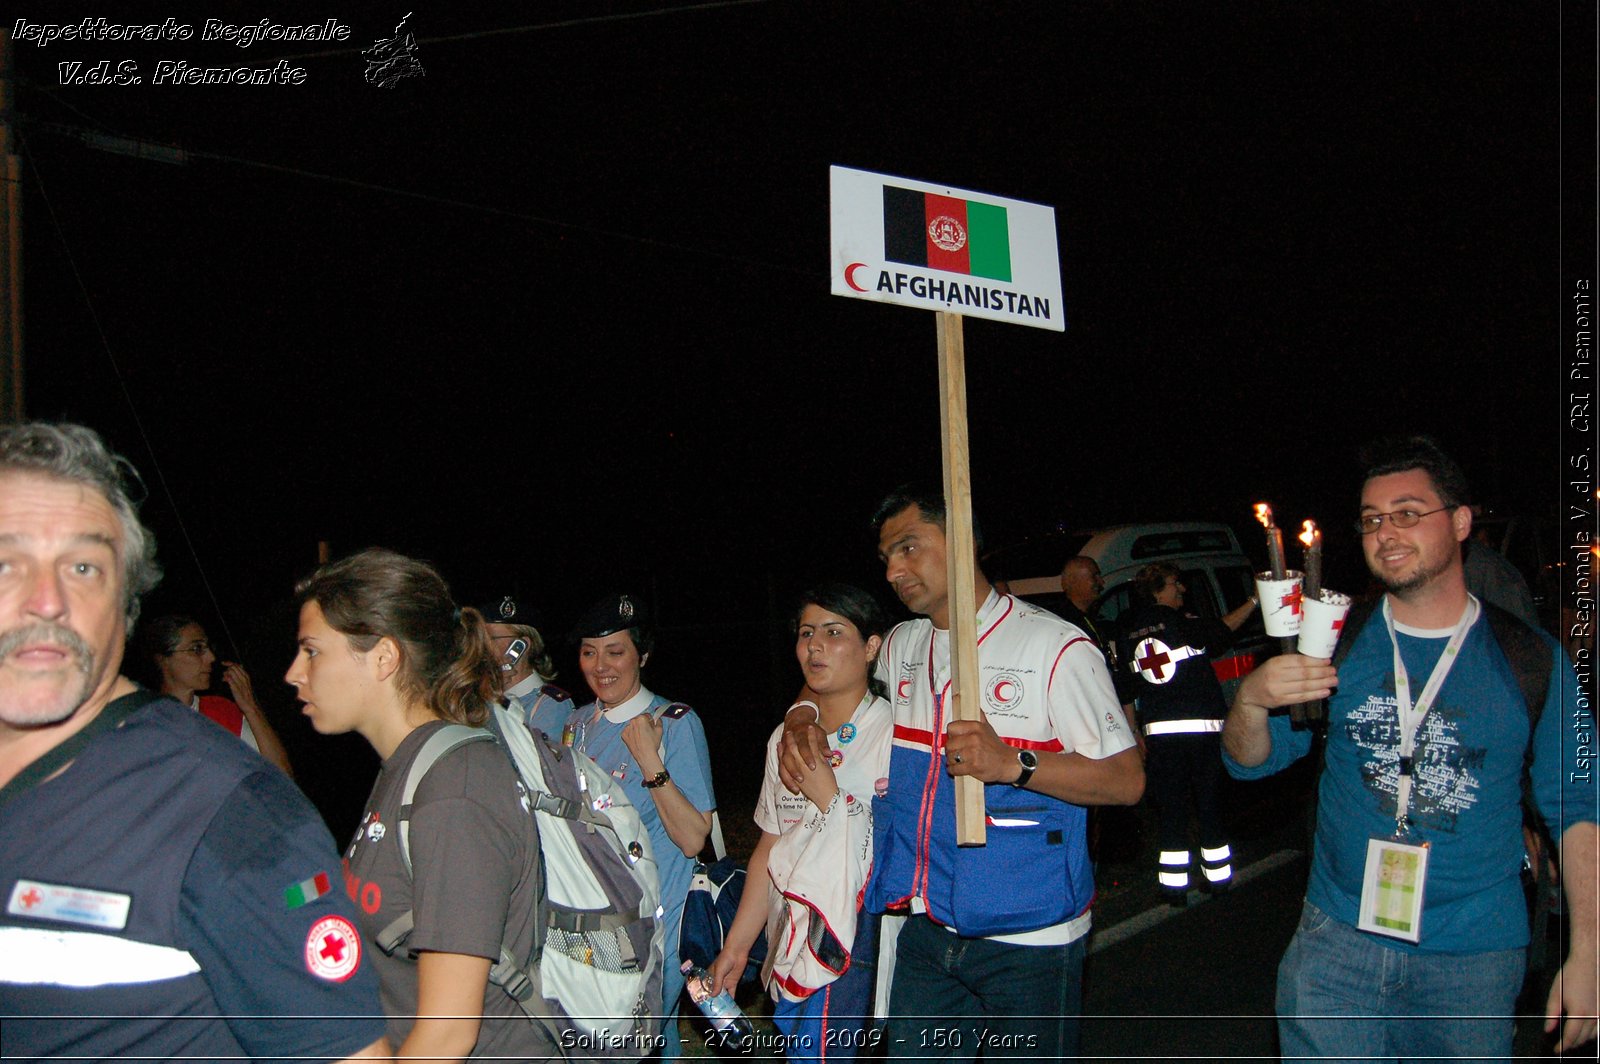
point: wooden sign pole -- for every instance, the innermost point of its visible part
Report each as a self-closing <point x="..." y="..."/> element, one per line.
<point x="960" y="559"/>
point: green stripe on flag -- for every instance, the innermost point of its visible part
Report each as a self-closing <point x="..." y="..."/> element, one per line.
<point x="989" y="241"/>
<point x="307" y="890"/>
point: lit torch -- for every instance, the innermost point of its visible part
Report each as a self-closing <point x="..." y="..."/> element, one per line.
<point x="1274" y="540"/>
<point x="1311" y="537"/>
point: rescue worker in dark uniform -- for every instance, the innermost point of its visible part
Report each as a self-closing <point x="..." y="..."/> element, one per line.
<point x="1180" y="706"/>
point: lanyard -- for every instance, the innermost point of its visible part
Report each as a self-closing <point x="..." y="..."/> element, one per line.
<point x="1411" y="715"/>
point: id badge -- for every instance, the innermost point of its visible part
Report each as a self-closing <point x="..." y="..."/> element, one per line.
<point x="1392" y="889"/>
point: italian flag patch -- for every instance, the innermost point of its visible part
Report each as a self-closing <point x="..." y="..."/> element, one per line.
<point x="307" y="890"/>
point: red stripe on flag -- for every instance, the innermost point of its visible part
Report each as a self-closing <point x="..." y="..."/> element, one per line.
<point x="947" y="225"/>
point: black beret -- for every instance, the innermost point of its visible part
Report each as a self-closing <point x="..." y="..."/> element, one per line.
<point x="508" y="609"/>
<point x="614" y="613"/>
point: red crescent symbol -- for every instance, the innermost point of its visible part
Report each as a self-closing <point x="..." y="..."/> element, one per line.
<point x="1000" y="690"/>
<point x="901" y="690"/>
<point x="850" y="275"/>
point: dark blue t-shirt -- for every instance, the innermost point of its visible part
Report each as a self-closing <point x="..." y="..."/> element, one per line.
<point x="170" y="895"/>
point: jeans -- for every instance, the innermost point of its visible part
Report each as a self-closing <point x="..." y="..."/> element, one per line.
<point x="953" y="996"/>
<point x="1344" y="994"/>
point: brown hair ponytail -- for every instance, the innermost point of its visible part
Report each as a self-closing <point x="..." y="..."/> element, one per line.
<point x="446" y="659"/>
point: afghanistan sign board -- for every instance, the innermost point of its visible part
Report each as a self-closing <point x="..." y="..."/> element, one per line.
<point x="921" y="245"/>
<point x="957" y="253"/>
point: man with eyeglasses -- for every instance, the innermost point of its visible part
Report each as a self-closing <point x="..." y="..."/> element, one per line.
<point x="1412" y="940"/>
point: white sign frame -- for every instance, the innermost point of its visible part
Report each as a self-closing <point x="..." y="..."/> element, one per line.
<point x="861" y="270"/>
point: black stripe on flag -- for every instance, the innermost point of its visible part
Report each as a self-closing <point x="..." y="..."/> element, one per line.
<point x="905" y="226"/>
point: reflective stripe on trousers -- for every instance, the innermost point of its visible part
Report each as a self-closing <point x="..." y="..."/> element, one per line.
<point x="1216" y="863"/>
<point x="1174" y="871"/>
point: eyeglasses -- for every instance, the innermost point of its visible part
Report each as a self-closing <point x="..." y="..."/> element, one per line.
<point x="1367" y="524"/>
<point x="199" y="648"/>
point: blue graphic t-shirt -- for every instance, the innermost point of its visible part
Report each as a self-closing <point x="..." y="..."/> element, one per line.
<point x="1466" y="783"/>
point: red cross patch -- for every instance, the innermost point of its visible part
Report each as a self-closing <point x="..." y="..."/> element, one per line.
<point x="32" y="898"/>
<point x="1152" y="657"/>
<point x="333" y="949"/>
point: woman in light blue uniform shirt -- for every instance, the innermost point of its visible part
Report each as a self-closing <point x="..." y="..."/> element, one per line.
<point x="655" y="748"/>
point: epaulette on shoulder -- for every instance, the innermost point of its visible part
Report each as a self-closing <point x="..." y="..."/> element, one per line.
<point x="674" y="711"/>
<point x="554" y="693"/>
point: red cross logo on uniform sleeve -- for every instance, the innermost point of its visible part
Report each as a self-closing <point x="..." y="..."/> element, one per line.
<point x="32" y="898"/>
<point x="333" y="949"/>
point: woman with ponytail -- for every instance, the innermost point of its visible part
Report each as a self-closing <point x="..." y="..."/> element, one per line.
<point x="384" y="652"/>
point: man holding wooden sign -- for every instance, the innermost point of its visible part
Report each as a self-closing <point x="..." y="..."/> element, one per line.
<point x="992" y="955"/>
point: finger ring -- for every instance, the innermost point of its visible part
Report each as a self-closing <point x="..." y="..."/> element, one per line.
<point x="957" y="759"/>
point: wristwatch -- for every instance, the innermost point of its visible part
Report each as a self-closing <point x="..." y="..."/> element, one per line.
<point x="1029" y="761"/>
<point x="658" y="780"/>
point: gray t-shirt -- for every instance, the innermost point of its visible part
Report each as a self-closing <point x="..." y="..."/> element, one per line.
<point x="475" y="859"/>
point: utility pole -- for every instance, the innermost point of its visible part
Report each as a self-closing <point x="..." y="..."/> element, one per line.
<point x="11" y="379"/>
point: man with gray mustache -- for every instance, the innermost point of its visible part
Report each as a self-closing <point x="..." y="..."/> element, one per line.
<point x="166" y="892"/>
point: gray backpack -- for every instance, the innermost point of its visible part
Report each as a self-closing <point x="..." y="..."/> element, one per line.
<point x="594" y="978"/>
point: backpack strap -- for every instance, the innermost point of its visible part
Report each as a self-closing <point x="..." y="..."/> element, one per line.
<point x="444" y="741"/>
<point x="675" y="711"/>
<point x="1530" y="657"/>
<point x="1530" y="660"/>
<point x="1354" y="621"/>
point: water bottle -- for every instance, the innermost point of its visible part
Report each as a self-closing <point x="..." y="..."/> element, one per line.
<point x="723" y="1013"/>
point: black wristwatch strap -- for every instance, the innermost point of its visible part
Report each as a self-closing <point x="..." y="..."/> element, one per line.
<point x="1029" y="764"/>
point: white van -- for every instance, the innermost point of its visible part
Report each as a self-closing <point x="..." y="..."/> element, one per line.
<point x="1217" y="577"/>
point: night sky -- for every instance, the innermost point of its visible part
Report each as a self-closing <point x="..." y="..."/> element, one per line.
<point x="556" y="314"/>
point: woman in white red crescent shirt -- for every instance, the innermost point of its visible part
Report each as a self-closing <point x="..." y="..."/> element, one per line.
<point x="385" y="653"/>
<point x="181" y="660"/>
<point x="838" y="632"/>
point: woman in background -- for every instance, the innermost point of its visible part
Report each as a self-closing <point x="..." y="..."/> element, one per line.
<point x="181" y="658"/>
<point x="655" y="748"/>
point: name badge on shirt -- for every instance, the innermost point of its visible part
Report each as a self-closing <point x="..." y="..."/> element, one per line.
<point x="69" y="905"/>
<point x="1392" y="889"/>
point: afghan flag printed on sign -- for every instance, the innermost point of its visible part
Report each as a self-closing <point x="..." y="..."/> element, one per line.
<point x="944" y="233"/>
